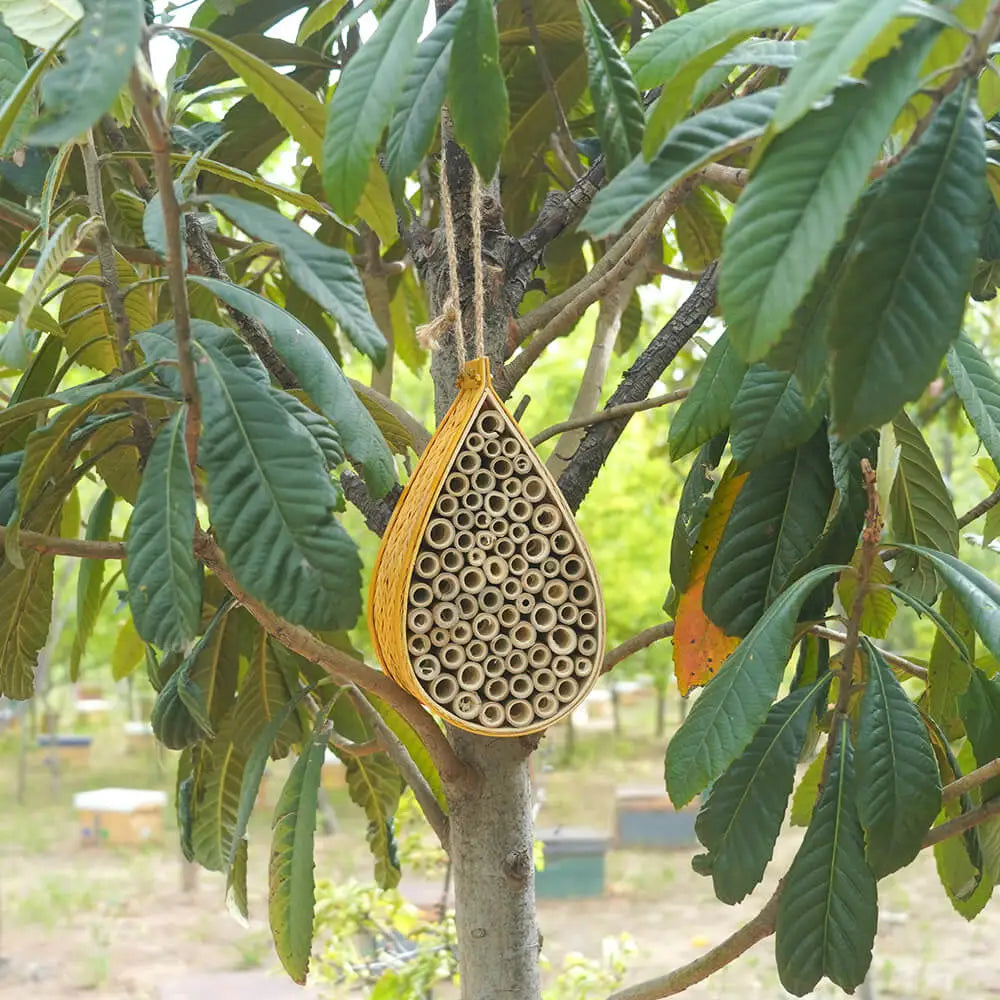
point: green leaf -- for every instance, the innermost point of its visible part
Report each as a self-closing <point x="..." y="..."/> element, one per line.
<point x="742" y="815"/>
<point x="216" y="663"/>
<point x="980" y="708"/>
<point x="15" y="105"/>
<point x="948" y="671"/>
<point x="412" y="126"/>
<point x="696" y="498"/>
<point x="154" y="227"/>
<point x="829" y="904"/>
<point x="292" y="890"/>
<point x="236" y="883"/>
<point x="363" y="102"/>
<point x="795" y="208"/>
<point x="620" y="119"/>
<point x="735" y="702"/>
<point x="769" y="416"/>
<point x="78" y="91"/>
<point x="43" y="23"/>
<point x="26" y="603"/>
<point x="270" y="498"/>
<point x="921" y="509"/>
<point x="318" y="18"/>
<point x="212" y="69"/>
<point x="968" y="890"/>
<point x="13" y="68"/>
<point x="321" y="377"/>
<point x="699" y="224"/>
<point x="693" y="143"/>
<point x="128" y="652"/>
<point x="705" y="411"/>
<point x="90" y="581"/>
<point x="807" y="793"/>
<point x="326" y="274"/>
<point x="477" y="93"/>
<point x="979" y="390"/>
<point x="833" y="47"/>
<point x="900" y="303"/>
<point x="218" y="778"/>
<point x="776" y="522"/>
<point x="878" y="608"/>
<point x="164" y="578"/>
<point x="322" y="430"/>
<point x="898" y="788"/>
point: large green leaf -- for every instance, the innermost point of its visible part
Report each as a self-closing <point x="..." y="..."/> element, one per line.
<point x="948" y="671"/>
<point x="78" y="91"/>
<point x="477" y="92"/>
<point x="217" y="661"/>
<point x="921" y="510"/>
<point x="795" y="208"/>
<point x="705" y="411"/>
<point x="292" y="888"/>
<point x="214" y="69"/>
<point x="735" y="702"/>
<point x="979" y="390"/>
<point x="617" y="103"/>
<point x="90" y="581"/>
<point x="900" y="303"/>
<point x="698" y="226"/>
<point x="263" y="696"/>
<point x="705" y="136"/>
<point x="41" y="22"/>
<point x="742" y="815"/>
<point x="15" y="104"/>
<point x="769" y="416"/>
<point x="25" y="614"/>
<point x="13" y="69"/>
<point x="218" y="778"/>
<point x="164" y="578"/>
<point x="270" y="497"/>
<point x="363" y="102"/>
<point x="412" y="126"/>
<point x="776" y="521"/>
<point x="829" y="905"/>
<point x="325" y="273"/>
<point x="898" y="788"/>
<point x="834" y="45"/>
<point x="980" y="708"/>
<point x="320" y="376"/>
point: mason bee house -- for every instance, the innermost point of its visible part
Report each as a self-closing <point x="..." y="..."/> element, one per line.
<point x="484" y="602"/>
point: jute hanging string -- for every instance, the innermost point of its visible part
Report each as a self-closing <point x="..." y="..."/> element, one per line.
<point x="485" y="602"/>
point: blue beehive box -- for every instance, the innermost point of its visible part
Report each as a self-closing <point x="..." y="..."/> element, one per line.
<point x="646" y="818"/>
<point x="574" y="863"/>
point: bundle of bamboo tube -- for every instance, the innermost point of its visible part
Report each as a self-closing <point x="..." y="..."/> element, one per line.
<point x="485" y="603"/>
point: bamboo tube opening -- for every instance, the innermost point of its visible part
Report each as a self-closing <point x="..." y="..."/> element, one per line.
<point x="464" y="520"/>
<point x="461" y="632"/>
<point x="496" y="504"/>
<point x="501" y="646"/>
<point x="427" y="667"/>
<point x="492" y="716"/>
<point x="511" y="487"/>
<point x="496" y="688"/>
<point x="471" y="677"/>
<point x="491" y="600"/>
<point x="502" y="467"/>
<point x="555" y="592"/>
<point x="525" y="604"/>
<point x="421" y="595"/>
<point x="534" y="489"/>
<point x="539" y="656"/>
<point x="445" y="586"/>
<point x="521" y="686"/>
<point x="492" y="448"/>
<point x="452" y="560"/>
<point x="439" y="638"/>
<point x="510" y="446"/>
<point x="533" y="581"/>
<point x="522" y="635"/>
<point x="561" y="640"/>
<point x="445" y="613"/>
<point x="582" y="667"/>
<point x="562" y="542"/>
<point x="587" y="645"/>
<point x="499" y="528"/>
<point x="550" y="568"/>
<point x="581" y="593"/>
<point x="482" y="520"/>
<point x="519" y="510"/>
<point x="443" y="688"/>
<point x="511" y="588"/>
<point x="472" y="501"/>
<point x="418" y="644"/>
<point x="573" y="568"/>
<point x="545" y="705"/>
<point x="485" y="540"/>
<point x="522" y="464"/>
<point x="472" y="579"/>
<point x="588" y="620"/>
<point x="493" y="666"/>
<point x="495" y="569"/>
<point x="569" y="614"/>
<point x="440" y="533"/>
<point x="536" y="548"/>
<point x="518" y="564"/>
<point x="519" y="532"/>
<point x="543" y="617"/>
<point x="465" y="541"/>
<point x="468" y="462"/>
<point x="544" y="679"/>
<point x="546" y="519"/>
<point x="446" y="505"/>
<point x="483" y="481"/>
<point x="509" y="616"/>
<point x="452" y="656"/>
<point x="420" y="620"/>
<point x="489" y="423"/>
<point x="457" y="484"/>
<point x="476" y="650"/>
<point x="562" y="666"/>
<point x="467" y="705"/>
<point x="517" y="661"/>
<point x="428" y="564"/>
<point x="486" y="627"/>
<point x="468" y="607"/>
<point x="477" y="557"/>
<point x="474" y="440"/>
<point x="519" y="713"/>
<point x="567" y="689"/>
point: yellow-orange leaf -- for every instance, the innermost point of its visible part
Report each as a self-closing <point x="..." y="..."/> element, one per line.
<point x="701" y="646"/>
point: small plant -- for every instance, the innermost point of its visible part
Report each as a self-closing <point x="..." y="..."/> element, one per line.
<point x="582" y="978"/>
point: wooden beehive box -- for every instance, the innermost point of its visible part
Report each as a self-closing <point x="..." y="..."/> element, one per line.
<point x="120" y="816"/>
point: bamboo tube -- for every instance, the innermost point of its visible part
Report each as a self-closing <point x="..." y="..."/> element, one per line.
<point x="502" y="467"/>
<point x="562" y="666"/>
<point x="496" y="504"/>
<point x="421" y="595"/>
<point x="486" y="627"/>
<point x="543" y="617"/>
<point x="573" y="568"/>
<point x="471" y="677"/>
<point x="550" y="568"/>
<point x="446" y="505"/>
<point x="525" y="603"/>
<point x="439" y="533"/>
<point x="492" y="448"/>
<point x="457" y="484"/>
<point x="511" y="487"/>
<point x="511" y="588"/>
<point x="581" y="593"/>
<point x="467" y="705"/>
<point x="472" y="500"/>
<point x="544" y="679"/>
<point x="496" y="688"/>
<point x="518" y="532"/>
<point x="501" y="646"/>
<point x="452" y="560"/>
<point x="493" y="666"/>
<point x="464" y="520"/>
<point x="582" y="667"/>
<point x="427" y="667"/>
<point x="445" y="613"/>
<point x="484" y="482"/>
<point x="474" y="440"/>
<point x="546" y="518"/>
<point x="567" y="689"/>
<point x="535" y="549"/>
<point x="420" y="620"/>
<point x="521" y="686"/>
<point x="562" y="542"/>
<point x="446" y="586"/>
<point x="533" y="581"/>
<point x="539" y="656"/>
<point x="418" y="644"/>
<point x="465" y="541"/>
<point x="485" y="540"/>
<point x="519" y="510"/>
<point x="499" y="528"/>
<point x="489" y="423"/>
<point x="520" y="713"/>
<point x="428" y="564"/>
<point x="569" y="614"/>
<point x="555" y="592"/>
<point x="495" y="569"/>
<point x="587" y="620"/>
<point x="443" y="689"/>
<point x="452" y="656"/>
<point x="468" y="462"/>
<point x="518" y="564"/>
<point x="472" y="580"/>
<point x="492" y="716"/>
<point x="517" y="661"/>
<point x="509" y="616"/>
<point x="522" y="464"/>
<point x="534" y="489"/>
<point x="545" y="705"/>
<point x="477" y="557"/>
<point x="561" y="640"/>
<point x="461" y="632"/>
<point x="483" y="519"/>
<point x="587" y="645"/>
<point x="510" y="446"/>
<point x="439" y="638"/>
<point x="491" y="600"/>
<point x="468" y="607"/>
<point x="522" y="635"/>
<point x="476" y="650"/>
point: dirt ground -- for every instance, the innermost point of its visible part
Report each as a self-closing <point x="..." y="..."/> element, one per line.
<point x="117" y="924"/>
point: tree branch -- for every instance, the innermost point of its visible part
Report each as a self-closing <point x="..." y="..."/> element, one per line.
<point x="613" y="413"/>
<point x="375" y="512"/>
<point x="985" y="505"/>
<point x="79" y="548"/>
<point x="639" y="641"/>
<point x="914" y="669"/>
<point x="973" y="779"/>
<point x="962" y="823"/>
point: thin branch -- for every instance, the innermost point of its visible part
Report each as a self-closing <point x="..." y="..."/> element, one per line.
<point x="351" y="749"/>
<point x="641" y="640"/>
<point x="973" y="779"/>
<point x="981" y="508"/>
<point x="80" y="548"/>
<point x="962" y="823"/>
<point x="613" y="413"/>
<point x="719" y="173"/>
<point x="375" y="512"/>
<point x="907" y="666"/>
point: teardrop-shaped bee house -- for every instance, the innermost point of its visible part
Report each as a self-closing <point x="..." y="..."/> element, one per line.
<point x="484" y="601"/>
